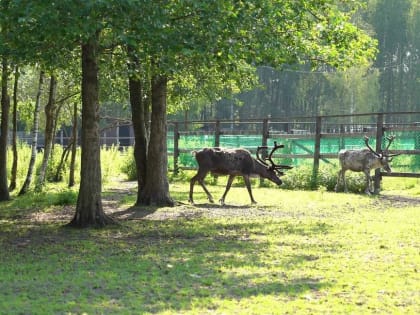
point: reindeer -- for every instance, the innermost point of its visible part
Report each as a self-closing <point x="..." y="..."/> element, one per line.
<point x="364" y="161"/>
<point x="235" y="162"/>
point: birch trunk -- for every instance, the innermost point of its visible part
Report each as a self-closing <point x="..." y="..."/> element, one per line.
<point x="35" y="130"/>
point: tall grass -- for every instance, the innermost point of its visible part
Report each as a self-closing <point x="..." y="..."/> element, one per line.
<point x="112" y="160"/>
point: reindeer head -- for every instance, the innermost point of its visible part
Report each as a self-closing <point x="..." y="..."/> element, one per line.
<point x="383" y="157"/>
<point x="273" y="170"/>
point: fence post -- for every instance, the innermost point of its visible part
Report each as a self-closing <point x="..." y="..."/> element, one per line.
<point x="317" y="151"/>
<point x="217" y="134"/>
<point x="379" y="135"/>
<point x="176" y="147"/>
<point x="342" y="141"/>
<point x="265" y="134"/>
<point x="264" y="141"/>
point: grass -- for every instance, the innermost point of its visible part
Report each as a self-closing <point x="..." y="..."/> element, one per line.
<point x="295" y="252"/>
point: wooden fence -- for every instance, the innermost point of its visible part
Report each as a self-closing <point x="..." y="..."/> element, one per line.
<point x="316" y="128"/>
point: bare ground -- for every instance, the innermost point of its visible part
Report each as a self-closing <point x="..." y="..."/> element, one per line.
<point x="112" y="207"/>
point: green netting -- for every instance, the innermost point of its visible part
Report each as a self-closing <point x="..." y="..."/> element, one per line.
<point x="406" y="140"/>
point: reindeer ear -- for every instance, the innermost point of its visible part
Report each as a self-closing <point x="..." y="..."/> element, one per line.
<point x="390" y="159"/>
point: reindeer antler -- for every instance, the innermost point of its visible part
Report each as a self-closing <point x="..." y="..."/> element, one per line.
<point x="390" y="140"/>
<point x="273" y="165"/>
<point x="276" y="147"/>
<point x="366" y="139"/>
<point x="258" y="155"/>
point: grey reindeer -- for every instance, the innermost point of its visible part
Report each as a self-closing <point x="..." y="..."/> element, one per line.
<point x="363" y="160"/>
<point x="235" y="162"/>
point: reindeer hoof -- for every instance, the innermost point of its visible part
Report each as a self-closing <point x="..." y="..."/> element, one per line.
<point x="222" y="202"/>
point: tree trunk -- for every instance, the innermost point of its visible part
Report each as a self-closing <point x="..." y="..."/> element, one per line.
<point x="58" y="177"/>
<point x="50" y="109"/>
<point x="74" y="145"/>
<point x="89" y="210"/>
<point x="4" y="128"/>
<point x="156" y="189"/>
<point x="35" y="130"/>
<point x="14" y="133"/>
<point x="138" y="117"/>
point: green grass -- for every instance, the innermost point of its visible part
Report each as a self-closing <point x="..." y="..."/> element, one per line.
<point x="295" y="252"/>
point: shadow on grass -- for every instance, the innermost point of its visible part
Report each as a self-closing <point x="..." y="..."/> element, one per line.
<point x="31" y="202"/>
<point x="156" y="266"/>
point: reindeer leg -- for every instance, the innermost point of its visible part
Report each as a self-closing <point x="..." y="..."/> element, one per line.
<point x="192" y="182"/>
<point x="229" y="183"/>
<point x="200" y="178"/>
<point x="337" y="186"/>
<point x="209" y="196"/>
<point x="368" y="182"/>
<point x="343" y="178"/>
<point x="248" y="186"/>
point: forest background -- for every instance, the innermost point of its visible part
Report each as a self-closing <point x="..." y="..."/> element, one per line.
<point x="390" y="83"/>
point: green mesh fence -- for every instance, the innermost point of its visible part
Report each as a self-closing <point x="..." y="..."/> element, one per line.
<point x="405" y="140"/>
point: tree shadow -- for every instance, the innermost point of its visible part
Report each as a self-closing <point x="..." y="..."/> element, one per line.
<point x="167" y="264"/>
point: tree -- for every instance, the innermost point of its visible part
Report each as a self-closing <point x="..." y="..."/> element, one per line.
<point x="14" y="134"/>
<point x="139" y="117"/>
<point x="5" y="99"/>
<point x="50" y="110"/>
<point x="35" y="130"/>
<point x="89" y="210"/>
<point x="5" y="106"/>
<point x="73" y="145"/>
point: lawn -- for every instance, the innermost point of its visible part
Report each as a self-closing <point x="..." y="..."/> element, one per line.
<point x="295" y="252"/>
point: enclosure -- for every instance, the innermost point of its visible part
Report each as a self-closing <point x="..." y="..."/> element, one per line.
<point x="316" y="139"/>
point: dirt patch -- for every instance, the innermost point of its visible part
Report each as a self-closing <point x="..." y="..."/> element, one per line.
<point x="398" y="201"/>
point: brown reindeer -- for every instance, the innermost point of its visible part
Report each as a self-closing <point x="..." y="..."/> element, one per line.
<point x="235" y="162"/>
<point x="364" y="160"/>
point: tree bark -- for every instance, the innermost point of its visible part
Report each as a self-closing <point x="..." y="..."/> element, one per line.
<point x="35" y="130"/>
<point x="139" y="119"/>
<point x="14" y="133"/>
<point x="156" y="188"/>
<point x="89" y="210"/>
<point x="4" y="128"/>
<point x="50" y="109"/>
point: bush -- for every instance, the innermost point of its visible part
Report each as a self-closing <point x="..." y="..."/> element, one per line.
<point x="65" y="197"/>
<point x="128" y="164"/>
<point x="302" y="178"/>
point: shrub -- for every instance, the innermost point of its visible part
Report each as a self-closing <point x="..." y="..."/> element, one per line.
<point x="65" y="197"/>
<point x="302" y="178"/>
<point x="128" y="164"/>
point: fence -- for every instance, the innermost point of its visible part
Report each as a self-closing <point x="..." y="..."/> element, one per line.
<point x="315" y="139"/>
<point x="318" y="138"/>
